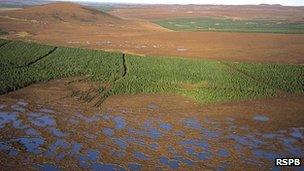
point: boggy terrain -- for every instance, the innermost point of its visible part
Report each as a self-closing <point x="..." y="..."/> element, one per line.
<point x="82" y="119"/>
<point x="59" y="24"/>
<point x="45" y="126"/>
<point x="79" y="109"/>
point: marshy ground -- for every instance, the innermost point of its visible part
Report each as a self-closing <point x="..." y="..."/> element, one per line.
<point x="43" y="126"/>
<point x="67" y="108"/>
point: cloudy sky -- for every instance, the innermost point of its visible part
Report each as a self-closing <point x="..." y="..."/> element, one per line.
<point x="230" y="2"/>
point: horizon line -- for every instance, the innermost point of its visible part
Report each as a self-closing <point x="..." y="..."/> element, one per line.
<point x="147" y="3"/>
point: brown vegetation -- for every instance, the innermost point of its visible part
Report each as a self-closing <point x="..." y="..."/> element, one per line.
<point x="266" y="12"/>
<point x="68" y="24"/>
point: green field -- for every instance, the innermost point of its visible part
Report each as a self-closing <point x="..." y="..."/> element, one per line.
<point x="10" y="6"/>
<point x="203" y="80"/>
<point x="63" y="62"/>
<point x="229" y="25"/>
<point x="17" y="54"/>
<point x="206" y="81"/>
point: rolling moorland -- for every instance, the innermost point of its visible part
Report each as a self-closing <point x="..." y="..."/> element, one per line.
<point x="237" y="12"/>
<point x="102" y="31"/>
<point x="87" y="89"/>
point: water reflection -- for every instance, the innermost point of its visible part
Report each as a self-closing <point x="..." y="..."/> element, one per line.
<point x="48" y="167"/>
<point x="135" y="166"/>
<point x="223" y="153"/>
<point x="173" y="164"/>
<point x="133" y="145"/>
<point x="261" y="118"/>
<point x="108" y="132"/>
<point x="140" y="155"/>
<point x="107" y="167"/>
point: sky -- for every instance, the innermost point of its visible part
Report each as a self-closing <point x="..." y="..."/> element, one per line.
<point x="226" y="2"/>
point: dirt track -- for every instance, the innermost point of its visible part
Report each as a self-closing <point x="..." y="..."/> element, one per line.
<point x="57" y="25"/>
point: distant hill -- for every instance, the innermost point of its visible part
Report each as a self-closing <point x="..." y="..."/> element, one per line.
<point x="63" y="12"/>
<point x="23" y="3"/>
<point x="272" y="5"/>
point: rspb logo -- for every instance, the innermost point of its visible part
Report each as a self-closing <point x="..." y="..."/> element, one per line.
<point x="288" y="161"/>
